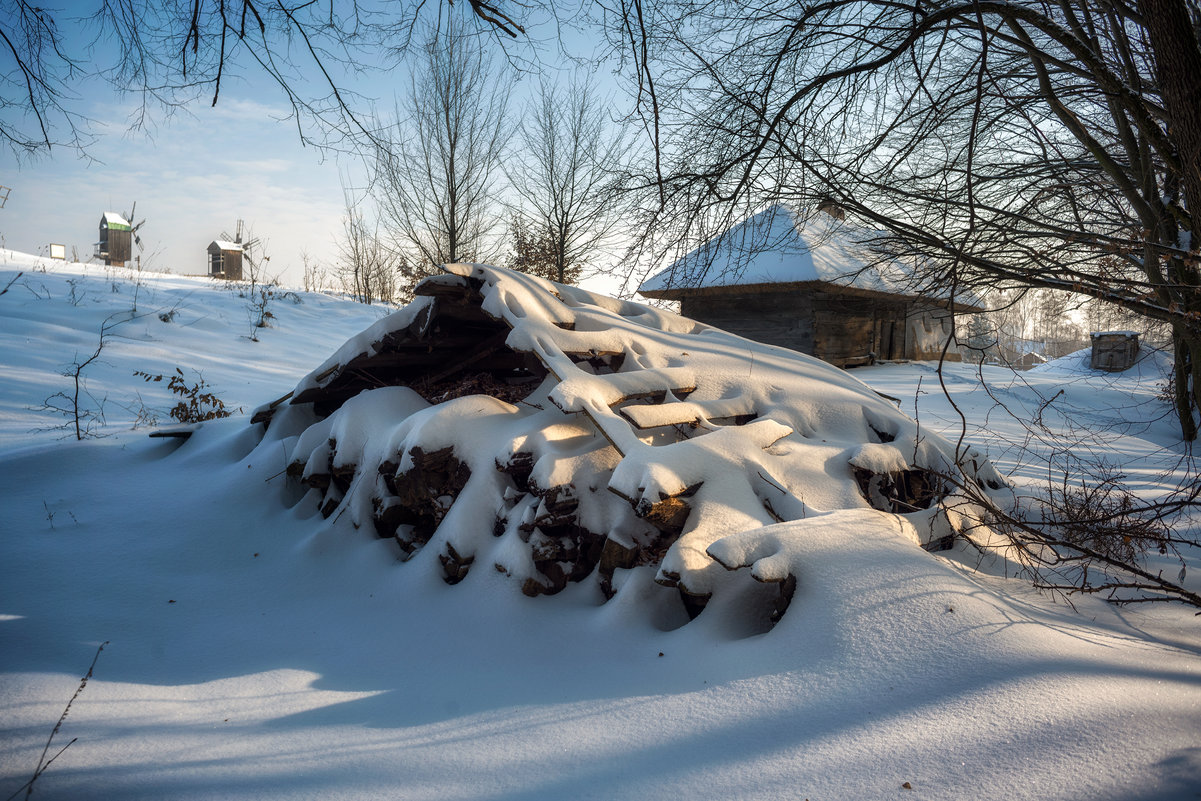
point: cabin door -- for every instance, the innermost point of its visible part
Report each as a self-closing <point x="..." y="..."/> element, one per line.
<point x="886" y="339"/>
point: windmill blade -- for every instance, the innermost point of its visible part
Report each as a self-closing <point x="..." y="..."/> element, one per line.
<point x="131" y="212"/>
<point x="139" y="225"/>
<point x="239" y="237"/>
<point x="226" y="237"/>
<point x="138" y="240"/>
<point x="251" y="244"/>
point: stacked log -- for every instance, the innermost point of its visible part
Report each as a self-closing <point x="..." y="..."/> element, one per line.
<point x="899" y="491"/>
<point x="419" y="497"/>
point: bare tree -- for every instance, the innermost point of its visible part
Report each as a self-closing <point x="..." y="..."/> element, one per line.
<point x="1042" y="144"/>
<point x="36" y="106"/>
<point x="1022" y="145"/>
<point x="172" y="53"/>
<point x="565" y="179"/>
<point x="82" y="417"/>
<point x="1102" y="316"/>
<point x="533" y="251"/>
<point x="313" y="275"/>
<point x="367" y="267"/>
<point x="1041" y="321"/>
<point x="436" y="169"/>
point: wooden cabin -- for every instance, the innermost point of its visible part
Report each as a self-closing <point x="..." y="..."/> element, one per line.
<point x="225" y="260"/>
<point x="1114" y="351"/>
<point x="116" y="240"/>
<point x="812" y="287"/>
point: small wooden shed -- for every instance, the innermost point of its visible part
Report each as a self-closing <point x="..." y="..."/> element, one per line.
<point x="1114" y="351"/>
<point x="225" y="260"/>
<point x="1027" y="360"/>
<point x="116" y="240"/>
<point x="812" y="287"/>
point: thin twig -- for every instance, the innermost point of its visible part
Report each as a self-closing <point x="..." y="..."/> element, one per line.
<point x="44" y="763"/>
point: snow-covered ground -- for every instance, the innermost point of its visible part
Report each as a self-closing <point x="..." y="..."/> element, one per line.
<point x="258" y="650"/>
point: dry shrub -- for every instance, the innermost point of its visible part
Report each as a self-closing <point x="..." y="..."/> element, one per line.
<point x="197" y="402"/>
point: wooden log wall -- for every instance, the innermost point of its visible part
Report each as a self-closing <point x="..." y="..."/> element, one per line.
<point x="778" y="318"/>
<point x="840" y="328"/>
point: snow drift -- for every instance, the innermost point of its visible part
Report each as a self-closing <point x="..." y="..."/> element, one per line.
<point x="559" y="436"/>
<point x="265" y="652"/>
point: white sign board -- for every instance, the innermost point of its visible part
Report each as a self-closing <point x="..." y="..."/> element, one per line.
<point x="58" y="252"/>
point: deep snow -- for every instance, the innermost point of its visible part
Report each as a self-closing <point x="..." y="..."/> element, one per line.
<point x="258" y="650"/>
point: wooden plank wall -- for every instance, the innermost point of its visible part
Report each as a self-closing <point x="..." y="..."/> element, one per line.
<point x="853" y="330"/>
<point x="841" y="329"/>
<point x="118" y="246"/>
<point x="783" y="318"/>
<point x="225" y="264"/>
<point x="232" y="260"/>
<point x="929" y="327"/>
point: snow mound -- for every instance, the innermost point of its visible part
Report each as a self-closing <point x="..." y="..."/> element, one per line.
<point x="1152" y="364"/>
<point x="561" y="436"/>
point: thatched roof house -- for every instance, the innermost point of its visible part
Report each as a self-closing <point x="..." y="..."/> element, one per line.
<point x="816" y="286"/>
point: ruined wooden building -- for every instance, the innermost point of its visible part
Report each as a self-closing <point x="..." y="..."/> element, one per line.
<point x="813" y="287"/>
<point x="557" y="436"/>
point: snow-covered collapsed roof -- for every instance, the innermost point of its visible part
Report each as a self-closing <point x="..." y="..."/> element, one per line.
<point x="559" y="435"/>
<point x="778" y="246"/>
<point x="115" y="222"/>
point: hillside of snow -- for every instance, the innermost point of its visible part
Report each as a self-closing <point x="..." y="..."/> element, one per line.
<point x="52" y="317"/>
<point x="256" y="649"/>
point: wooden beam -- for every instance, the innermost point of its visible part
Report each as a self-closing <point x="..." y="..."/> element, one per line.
<point x="487" y="348"/>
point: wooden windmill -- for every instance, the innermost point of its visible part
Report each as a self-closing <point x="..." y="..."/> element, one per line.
<point x="117" y="237"/>
<point x="227" y="254"/>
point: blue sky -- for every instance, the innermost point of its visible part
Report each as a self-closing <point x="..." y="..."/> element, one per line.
<point x="193" y="174"/>
<point x="189" y="183"/>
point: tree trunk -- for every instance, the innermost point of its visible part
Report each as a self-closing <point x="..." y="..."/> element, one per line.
<point x="1177" y="57"/>
<point x="1177" y="65"/>
<point x="1187" y="385"/>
